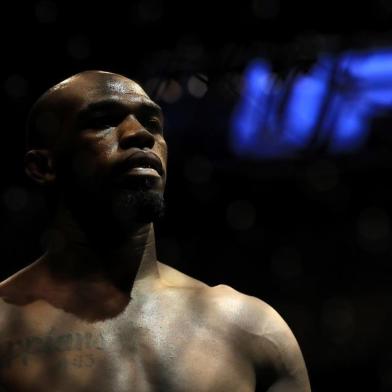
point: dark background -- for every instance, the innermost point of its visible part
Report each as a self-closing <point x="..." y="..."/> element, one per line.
<point x="310" y="235"/>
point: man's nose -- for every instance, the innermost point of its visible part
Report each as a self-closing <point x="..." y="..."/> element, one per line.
<point x="133" y="134"/>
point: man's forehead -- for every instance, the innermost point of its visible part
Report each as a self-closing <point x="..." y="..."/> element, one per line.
<point x="122" y="86"/>
<point x="98" y="85"/>
<point x="81" y="90"/>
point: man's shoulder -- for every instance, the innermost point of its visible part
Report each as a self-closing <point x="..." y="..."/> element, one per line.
<point x="231" y="306"/>
<point x="246" y="313"/>
<point x="256" y="330"/>
<point x="175" y="278"/>
<point x="236" y="307"/>
<point x="264" y="338"/>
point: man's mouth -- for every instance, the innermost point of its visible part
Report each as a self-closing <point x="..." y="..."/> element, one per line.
<point x="140" y="169"/>
<point x="143" y="171"/>
<point x="142" y="163"/>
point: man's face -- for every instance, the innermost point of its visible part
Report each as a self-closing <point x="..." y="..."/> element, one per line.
<point x="112" y="151"/>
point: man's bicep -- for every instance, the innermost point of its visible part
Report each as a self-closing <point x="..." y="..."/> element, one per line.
<point x="265" y="340"/>
<point x="277" y="353"/>
<point x="289" y="365"/>
<point x="289" y="385"/>
<point x="281" y="367"/>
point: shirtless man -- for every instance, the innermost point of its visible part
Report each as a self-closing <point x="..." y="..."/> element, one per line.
<point x="98" y="312"/>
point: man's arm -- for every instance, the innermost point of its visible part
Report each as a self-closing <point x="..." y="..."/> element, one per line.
<point x="275" y="350"/>
<point x="267" y="341"/>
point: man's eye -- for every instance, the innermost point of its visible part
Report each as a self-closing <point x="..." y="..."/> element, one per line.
<point x="103" y="122"/>
<point x="153" y="124"/>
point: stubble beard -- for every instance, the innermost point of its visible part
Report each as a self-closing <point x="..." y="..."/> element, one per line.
<point x="137" y="206"/>
<point x="115" y="210"/>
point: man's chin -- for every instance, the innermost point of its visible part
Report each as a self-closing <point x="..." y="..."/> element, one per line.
<point x="137" y="206"/>
<point x="114" y="208"/>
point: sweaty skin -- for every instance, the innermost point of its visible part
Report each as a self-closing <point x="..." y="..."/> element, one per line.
<point x="98" y="312"/>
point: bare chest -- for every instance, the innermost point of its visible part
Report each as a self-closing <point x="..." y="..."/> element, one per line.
<point x="157" y="352"/>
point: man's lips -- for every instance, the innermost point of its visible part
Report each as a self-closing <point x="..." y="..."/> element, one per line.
<point x="141" y="163"/>
<point x="143" y="171"/>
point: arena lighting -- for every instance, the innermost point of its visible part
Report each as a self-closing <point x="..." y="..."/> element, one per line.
<point x="330" y="106"/>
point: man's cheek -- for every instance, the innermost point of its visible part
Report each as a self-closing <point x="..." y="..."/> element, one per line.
<point x="162" y="149"/>
<point x="82" y="165"/>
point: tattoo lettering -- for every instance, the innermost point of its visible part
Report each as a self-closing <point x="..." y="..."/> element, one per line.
<point x="24" y="349"/>
<point x="78" y="361"/>
<point x="82" y="361"/>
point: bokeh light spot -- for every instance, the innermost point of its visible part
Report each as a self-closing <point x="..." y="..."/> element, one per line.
<point x="46" y="12"/>
<point x="79" y="47"/>
<point x="15" y="86"/>
<point x="197" y="87"/>
<point x="15" y="199"/>
<point x="241" y="215"/>
<point x="286" y="263"/>
<point x="170" y="91"/>
<point x="198" y="169"/>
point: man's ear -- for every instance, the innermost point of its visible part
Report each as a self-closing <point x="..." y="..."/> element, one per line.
<point x="39" y="166"/>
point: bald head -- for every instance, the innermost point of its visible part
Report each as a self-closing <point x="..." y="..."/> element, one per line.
<point x="51" y="111"/>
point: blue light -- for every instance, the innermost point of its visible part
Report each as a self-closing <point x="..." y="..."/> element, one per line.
<point x="370" y="66"/>
<point x="249" y="116"/>
<point x="350" y="128"/>
<point x="332" y="104"/>
<point x="379" y="97"/>
<point x="303" y="108"/>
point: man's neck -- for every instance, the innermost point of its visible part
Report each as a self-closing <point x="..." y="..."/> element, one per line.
<point x="118" y="259"/>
